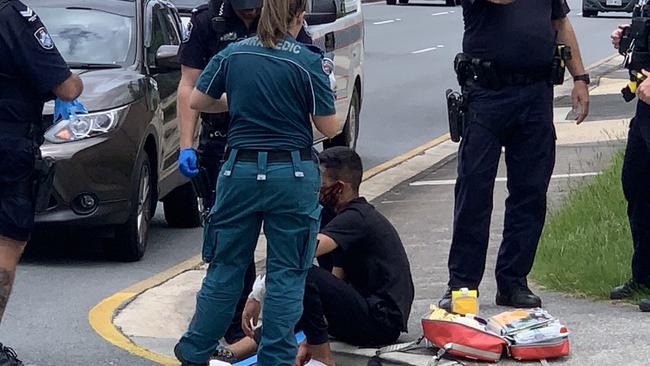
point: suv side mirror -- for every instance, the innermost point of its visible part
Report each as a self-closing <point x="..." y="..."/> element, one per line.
<point x="166" y="58"/>
<point x="324" y="11"/>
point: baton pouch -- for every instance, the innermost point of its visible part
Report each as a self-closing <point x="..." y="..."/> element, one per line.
<point x="44" y="179"/>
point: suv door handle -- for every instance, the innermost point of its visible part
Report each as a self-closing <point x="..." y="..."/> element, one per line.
<point x="330" y="42"/>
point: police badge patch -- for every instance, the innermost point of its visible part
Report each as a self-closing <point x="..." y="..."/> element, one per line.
<point x="44" y="38"/>
<point x="188" y="32"/>
<point x="328" y="66"/>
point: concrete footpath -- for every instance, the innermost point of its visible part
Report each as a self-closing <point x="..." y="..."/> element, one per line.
<point x="417" y="197"/>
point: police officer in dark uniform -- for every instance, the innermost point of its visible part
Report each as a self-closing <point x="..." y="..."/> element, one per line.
<point x="636" y="164"/>
<point x="212" y="28"/>
<point x="31" y="72"/>
<point x="506" y="72"/>
<point x="273" y="86"/>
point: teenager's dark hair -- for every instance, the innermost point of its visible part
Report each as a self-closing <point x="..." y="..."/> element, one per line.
<point x="343" y="163"/>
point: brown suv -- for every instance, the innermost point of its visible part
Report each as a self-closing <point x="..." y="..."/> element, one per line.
<point x="115" y="163"/>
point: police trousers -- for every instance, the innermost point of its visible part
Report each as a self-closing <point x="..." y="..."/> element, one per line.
<point x="520" y="119"/>
<point x="283" y="197"/>
<point x="636" y="183"/>
<point x="212" y="148"/>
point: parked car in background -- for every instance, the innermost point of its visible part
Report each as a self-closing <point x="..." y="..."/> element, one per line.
<point x="115" y="163"/>
<point x="447" y="2"/>
<point x="590" y="8"/>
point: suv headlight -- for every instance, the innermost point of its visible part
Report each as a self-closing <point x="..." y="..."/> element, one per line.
<point x="85" y="125"/>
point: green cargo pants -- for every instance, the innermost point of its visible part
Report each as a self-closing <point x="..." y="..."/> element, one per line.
<point x="284" y="198"/>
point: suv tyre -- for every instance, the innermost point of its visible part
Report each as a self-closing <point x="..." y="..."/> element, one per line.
<point x="131" y="237"/>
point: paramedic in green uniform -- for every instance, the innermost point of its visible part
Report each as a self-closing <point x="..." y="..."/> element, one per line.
<point x="273" y="87"/>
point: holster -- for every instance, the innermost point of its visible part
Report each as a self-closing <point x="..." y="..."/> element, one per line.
<point x="456" y="111"/>
<point x="201" y="184"/>
<point x="44" y="169"/>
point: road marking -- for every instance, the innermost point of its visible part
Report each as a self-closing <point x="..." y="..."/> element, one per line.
<point x="449" y="182"/>
<point x="101" y="315"/>
<point x="579" y="14"/>
<point x="442" y="13"/>
<point x="404" y="157"/>
<point x="424" y="50"/>
<point x="384" y="22"/>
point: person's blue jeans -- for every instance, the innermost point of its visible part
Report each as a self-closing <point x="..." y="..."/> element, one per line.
<point x="519" y="119"/>
<point x="284" y="198"/>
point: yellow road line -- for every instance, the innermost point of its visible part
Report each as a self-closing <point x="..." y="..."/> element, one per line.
<point x="101" y="315"/>
<point x="404" y="157"/>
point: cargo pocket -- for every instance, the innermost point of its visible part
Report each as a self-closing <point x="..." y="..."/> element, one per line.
<point x="309" y="248"/>
<point x="209" y="240"/>
<point x="16" y="160"/>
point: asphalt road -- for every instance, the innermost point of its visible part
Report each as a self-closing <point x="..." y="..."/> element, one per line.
<point x="409" y="50"/>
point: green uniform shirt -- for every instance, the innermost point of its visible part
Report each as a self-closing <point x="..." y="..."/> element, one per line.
<point x="271" y="92"/>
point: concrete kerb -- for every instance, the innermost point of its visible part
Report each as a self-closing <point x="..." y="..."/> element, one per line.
<point x="376" y="182"/>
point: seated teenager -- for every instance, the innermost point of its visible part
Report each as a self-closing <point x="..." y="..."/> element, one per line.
<point x="366" y="299"/>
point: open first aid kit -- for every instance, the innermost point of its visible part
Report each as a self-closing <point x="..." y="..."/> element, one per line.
<point x="523" y="334"/>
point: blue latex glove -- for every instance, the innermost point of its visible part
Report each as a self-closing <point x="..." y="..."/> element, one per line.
<point x="64" y="109"/>
<point x="188" y="162"/>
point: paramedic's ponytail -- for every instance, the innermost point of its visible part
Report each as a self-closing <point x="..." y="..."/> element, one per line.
<point x="276" y="19"/>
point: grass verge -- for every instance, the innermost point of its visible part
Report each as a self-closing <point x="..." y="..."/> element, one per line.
<point x="586" y="245"/>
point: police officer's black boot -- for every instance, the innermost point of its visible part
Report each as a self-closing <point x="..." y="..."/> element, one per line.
<point x="518" y="297"/>
<point x="626" y="290"/>
<point x="644" y="305"/>
<point x="445" y="302"/>
<point x="8" y="357"/>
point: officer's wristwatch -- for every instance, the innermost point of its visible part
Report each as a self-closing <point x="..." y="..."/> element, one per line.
<point x="583" y="77"/>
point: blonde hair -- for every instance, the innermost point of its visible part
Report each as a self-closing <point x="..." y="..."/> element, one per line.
<point x="276" y="19"/>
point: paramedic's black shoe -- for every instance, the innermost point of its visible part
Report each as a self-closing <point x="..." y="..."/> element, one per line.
<point x="644" y="305"/>
<point x="8" y="357"/>
<point x="626" y="290"/>
<point x="179" y="356"/>
<point x="445" y="302"/>
<point x="519" y="297"/>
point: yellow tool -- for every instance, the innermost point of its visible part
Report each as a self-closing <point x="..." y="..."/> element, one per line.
<point x="464" y="301"/>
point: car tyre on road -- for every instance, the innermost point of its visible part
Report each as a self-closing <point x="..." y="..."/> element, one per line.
<point x="391" y="2"/>
<point x="589" y="13"/>
<point x="131" y="237"/>
<point x="404" y="2"/>
<point x="181" y="207"/>
<point x="350" y="132"/>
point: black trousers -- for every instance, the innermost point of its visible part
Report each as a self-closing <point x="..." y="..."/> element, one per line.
<point x="211" y="152"/>
<point x="636" y="186"/>
<point x="333" y="307"/>
<point x="521" y="120"/>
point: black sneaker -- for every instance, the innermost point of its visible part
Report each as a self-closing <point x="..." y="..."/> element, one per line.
<point x="627" y="290"/>
<point x="225" y="355"/>
<point x="644" y="305"/>
<point x="179" y="356"/>
<point x="445" y="302"/>
<point x="8" y="357"/>
<point x="518" y="297"/>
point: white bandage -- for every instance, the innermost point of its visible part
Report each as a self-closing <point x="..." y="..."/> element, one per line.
<point x="259" y="289"/>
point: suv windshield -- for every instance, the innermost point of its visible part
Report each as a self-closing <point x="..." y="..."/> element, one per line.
<point x="90" y="36"/>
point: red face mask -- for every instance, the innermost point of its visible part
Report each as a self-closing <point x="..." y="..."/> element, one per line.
<point x="329" y="196"/>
